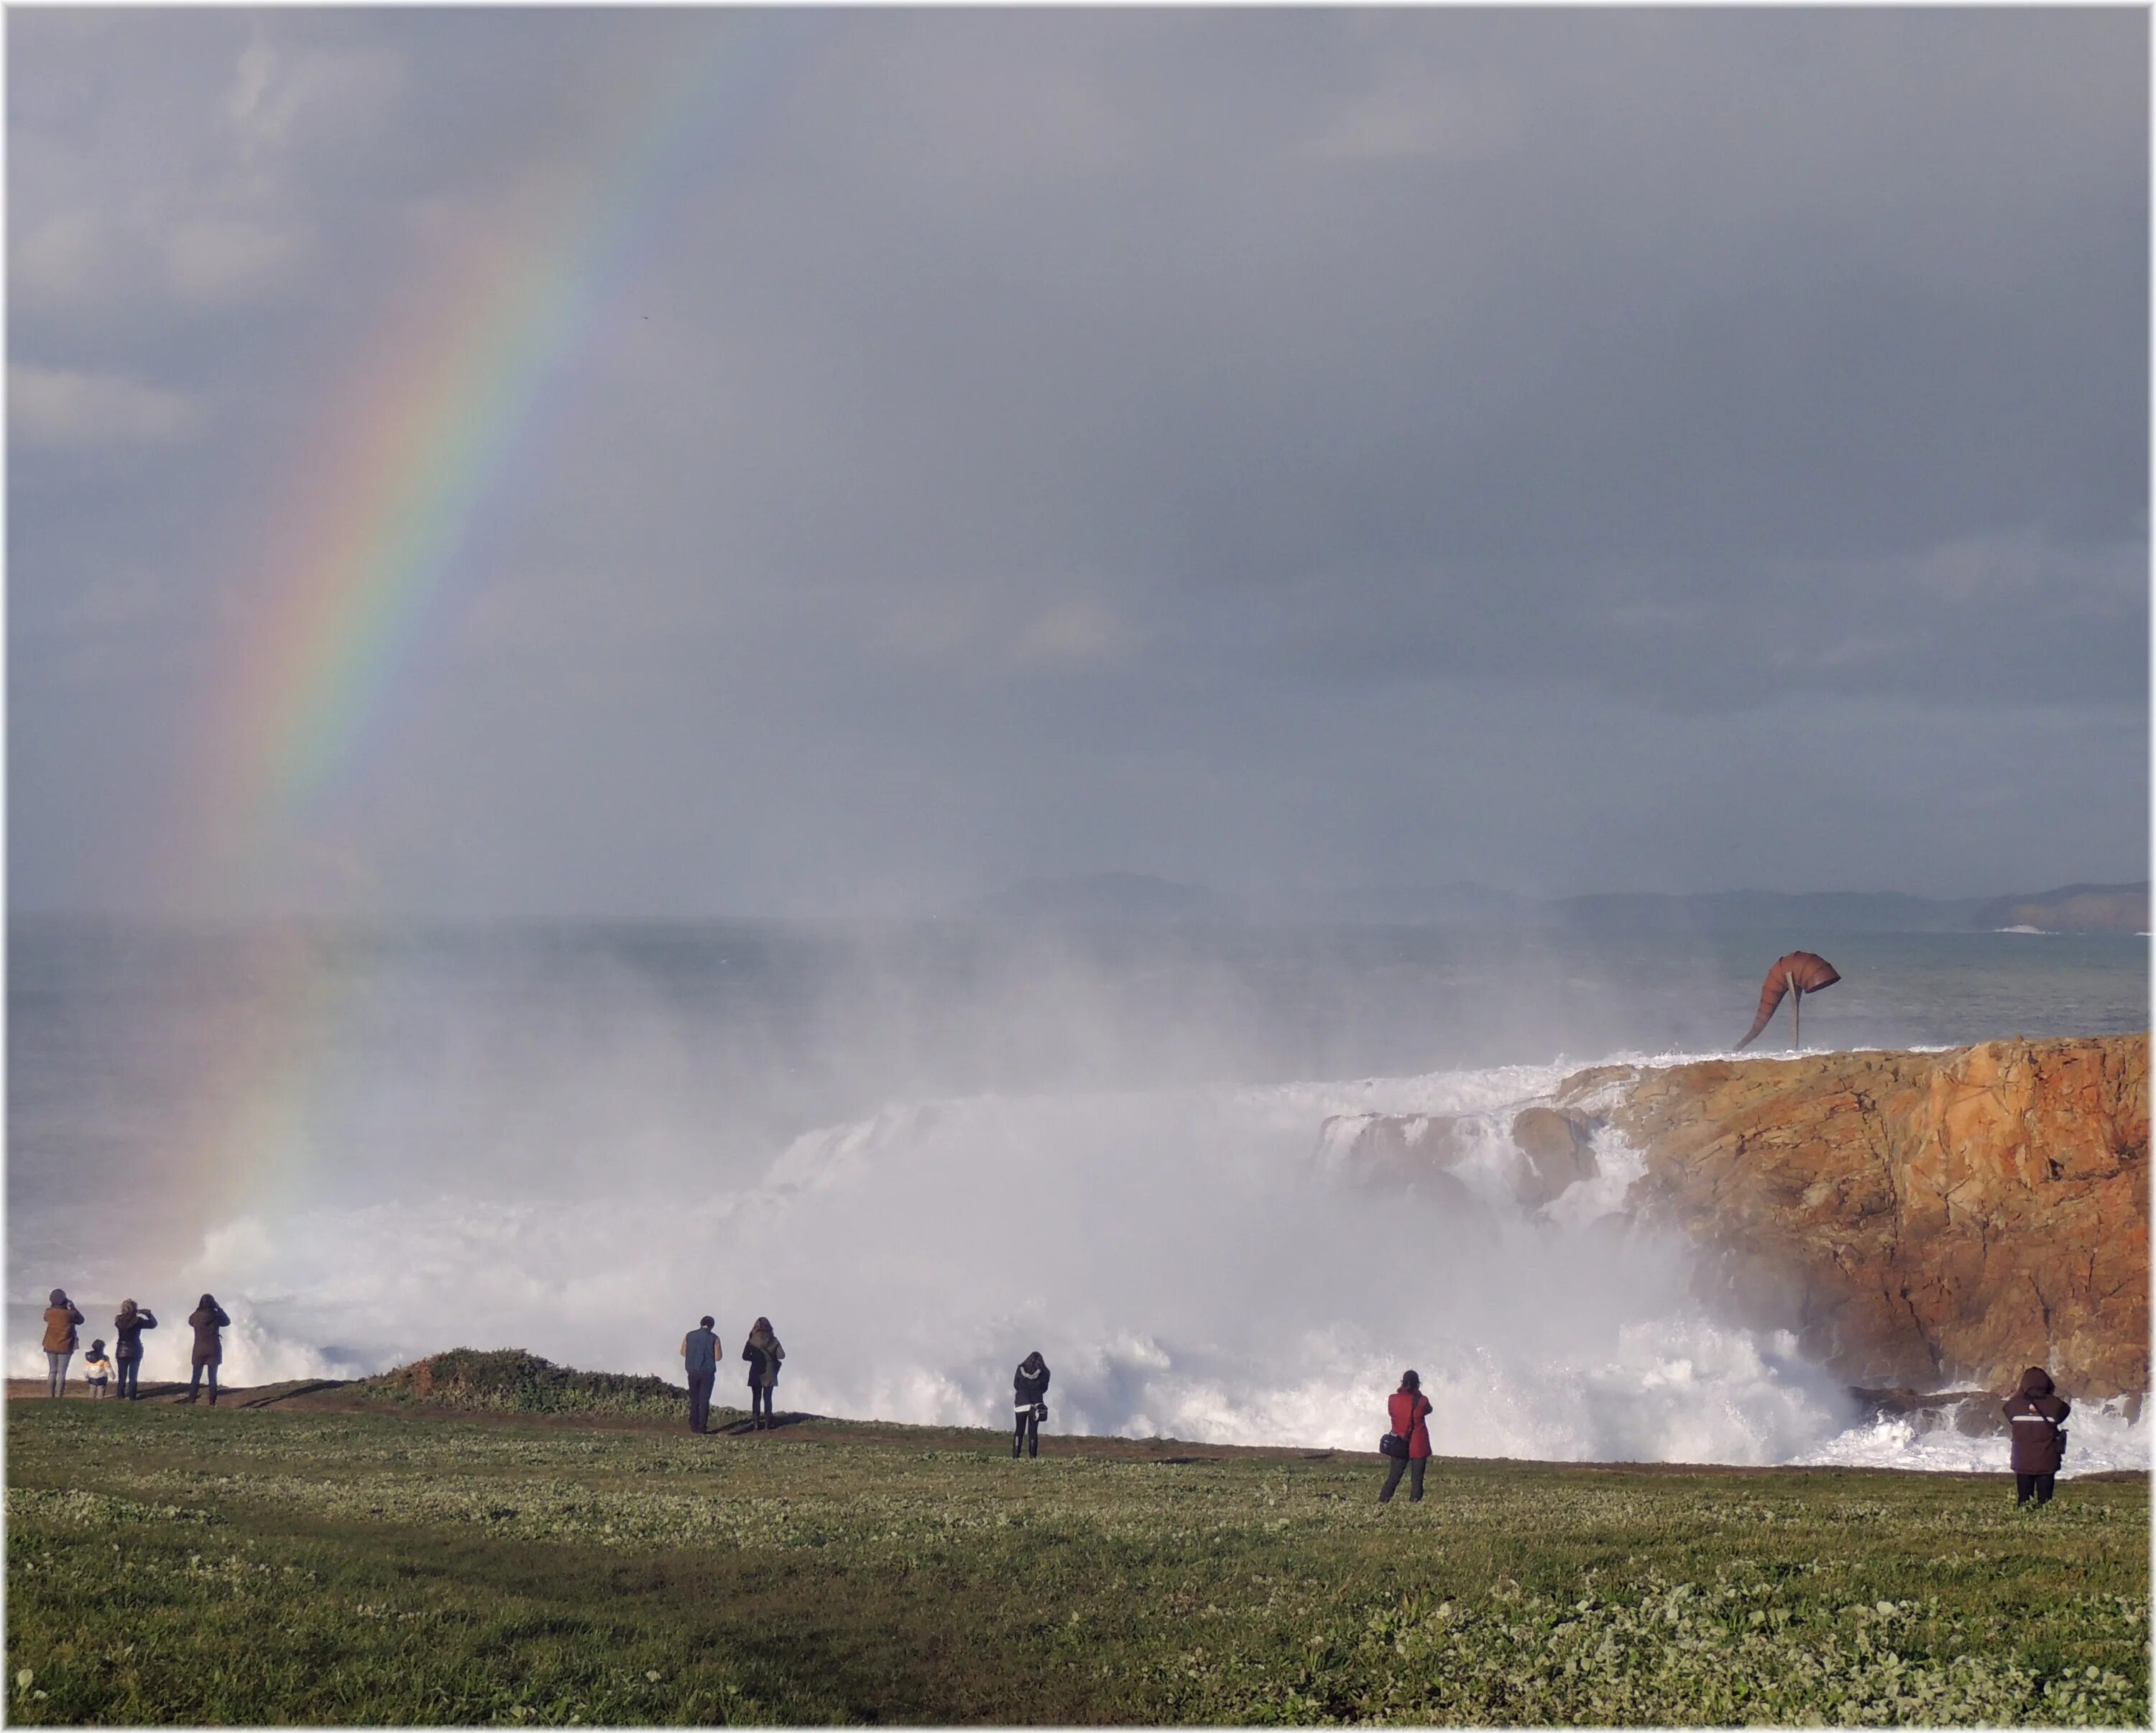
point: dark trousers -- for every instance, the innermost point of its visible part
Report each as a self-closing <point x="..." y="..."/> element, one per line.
<point x="194" y="1384"/>
<point x="1025" y="1434"/>
<point x="1393" y="1467"/>
<point x="130" y="1370"/>
<point x="700" y="1400"/>
<point x="759" y="1404"/>
<point x="2040" y="1484"/>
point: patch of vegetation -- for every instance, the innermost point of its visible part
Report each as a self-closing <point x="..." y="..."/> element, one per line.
<point x="510" y="1380"/>
<point x="289" y="1565"/>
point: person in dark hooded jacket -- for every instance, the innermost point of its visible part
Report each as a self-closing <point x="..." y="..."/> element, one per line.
<point x="764" y="1354"/>
<point x="2036" y="1416"/>
<point x="127" y="1329"/>
<point x="1027" y="1409"/>
<point x="207" y="1318"/>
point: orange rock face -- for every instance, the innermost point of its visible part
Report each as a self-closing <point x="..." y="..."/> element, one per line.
<point x="1557" y="1153"/>
<point x="1918" y="1218"/>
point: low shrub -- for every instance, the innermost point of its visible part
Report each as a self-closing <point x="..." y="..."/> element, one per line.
<point x="512" y="1381"/>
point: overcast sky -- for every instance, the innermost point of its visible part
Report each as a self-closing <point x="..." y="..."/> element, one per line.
<point x="1283" y="451"/>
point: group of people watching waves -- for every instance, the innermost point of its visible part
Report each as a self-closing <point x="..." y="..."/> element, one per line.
<point x="762" y="1350"/>
<point x="700" y="1360"/>
<point x="124" y="1365"/>
<point x="2035" y="1414"/>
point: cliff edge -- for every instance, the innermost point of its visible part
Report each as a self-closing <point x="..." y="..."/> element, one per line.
<point x="1919" y="1219"/>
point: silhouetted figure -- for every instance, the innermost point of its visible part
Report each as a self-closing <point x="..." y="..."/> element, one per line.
<point x="60" y="1321"/>
<point x="2037" y="1415"/>
<point x="700" y="1359"/>
<point x="127" y="1329"/>
<point x="1407" y="1408"/>
<point x="763" y="1353"/>
<point x="96" y="1369"/>
<point x="1027" y="1409"/>
<point x="207" y="1318"/>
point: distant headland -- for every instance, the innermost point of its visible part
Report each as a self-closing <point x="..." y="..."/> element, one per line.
<point x="1141" y="898"/>
<point x="2071" y="908"/>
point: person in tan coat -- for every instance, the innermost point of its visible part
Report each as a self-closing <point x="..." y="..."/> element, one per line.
<point x="60" y="1320"/>
<point x="207" y="1318"/>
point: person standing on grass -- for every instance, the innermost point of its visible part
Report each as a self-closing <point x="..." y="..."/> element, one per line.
<point x="700" y="1359"/>
<point x="127" y="1329"/>
<point x="60" y="1320"/>
<point x="96" y="1369"/>
<point x="763" y="1353"/>
<point x="207" y="1318"/>
<point x="2036" y="1416"/>
<point x="1407" y="1408"/>
<point x="1027" y="1409"/>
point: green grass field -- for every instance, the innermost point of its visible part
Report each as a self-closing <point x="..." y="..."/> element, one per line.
<point x="348" y="1562"/>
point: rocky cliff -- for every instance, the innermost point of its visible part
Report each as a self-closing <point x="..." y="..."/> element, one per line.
<point x="1920" y="1219"/>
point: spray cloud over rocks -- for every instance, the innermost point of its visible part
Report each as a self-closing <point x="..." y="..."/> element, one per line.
<point x="1189" y="1263"/>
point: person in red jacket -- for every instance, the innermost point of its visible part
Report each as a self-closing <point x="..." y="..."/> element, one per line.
<point x="2036" y="1416"/>
<point x="1409" y="1408"/>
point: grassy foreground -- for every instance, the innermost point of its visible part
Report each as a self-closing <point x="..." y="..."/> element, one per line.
<point x="343" y="1562"/>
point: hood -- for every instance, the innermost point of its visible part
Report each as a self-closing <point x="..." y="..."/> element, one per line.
<point x="1032" y="1363"/>
<point x="2035" y="1382"/>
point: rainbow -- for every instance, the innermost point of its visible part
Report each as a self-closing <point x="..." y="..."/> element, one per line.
<point x="379" y="521"/>
<point x="382" y="510"/>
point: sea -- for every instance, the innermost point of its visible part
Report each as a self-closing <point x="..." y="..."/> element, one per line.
<point x="924" y="1149"/>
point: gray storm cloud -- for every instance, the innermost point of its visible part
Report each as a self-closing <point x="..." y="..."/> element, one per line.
<point x="1278" y="450"/>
